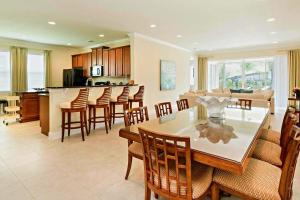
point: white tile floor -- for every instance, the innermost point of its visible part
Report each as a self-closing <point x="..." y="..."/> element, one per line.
<point x="33" y="167"/>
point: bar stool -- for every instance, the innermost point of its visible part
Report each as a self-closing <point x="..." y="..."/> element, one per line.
<point x="122" y="99"/>
<point x="137" y="97"/>
<point x="101" y="102"/>
<point x="79" y="104"/>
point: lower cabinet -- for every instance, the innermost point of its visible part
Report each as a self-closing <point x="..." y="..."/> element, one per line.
<point x="29" y="106"/>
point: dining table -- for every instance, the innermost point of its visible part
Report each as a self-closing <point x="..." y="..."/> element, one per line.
<point x="225" y="143"/>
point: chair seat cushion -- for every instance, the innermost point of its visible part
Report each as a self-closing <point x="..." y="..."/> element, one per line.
<point x="136" y="148"/>
<point x="268" y="152"/>
<point x="130" y="97"/>
<point x="259" y="181"/>
<point x="271" y="136"/>
<point x="201" y="179"/>
<point x="92" y="102"/>
<point x="65" y="105"/>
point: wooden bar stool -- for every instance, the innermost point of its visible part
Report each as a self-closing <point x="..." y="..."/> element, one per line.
<point x="101" y="102"/>
<point x="182" y="104"/>
<point x="163" y="109"/>
<point x="79" y="104"/>
<point x="122" y="100"/>
<point x="137" y="97"/>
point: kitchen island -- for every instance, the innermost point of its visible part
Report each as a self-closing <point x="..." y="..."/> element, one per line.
<point x="58" y="95"/>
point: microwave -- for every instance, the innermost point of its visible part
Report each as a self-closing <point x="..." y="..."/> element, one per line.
<point x="97" y="70"/>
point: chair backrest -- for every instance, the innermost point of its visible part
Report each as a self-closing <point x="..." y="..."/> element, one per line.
<point x="182" y="104"/>
<point x="288" y="122"/>
<point x="289" y="166"/>
<point x="105" y="97"/>
<point x="135" y="115"/>
<point x="163" y="109"/>
<point x="123" y="97"/>
<point x="12" y="100"/>
<point x="167" y="164"/>
<point x="140" y="93"/>
<point x="81" y="100"/>
<point x="285" y="118"/>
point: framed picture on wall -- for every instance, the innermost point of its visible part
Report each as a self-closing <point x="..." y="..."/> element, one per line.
<point x="167" y="75"/>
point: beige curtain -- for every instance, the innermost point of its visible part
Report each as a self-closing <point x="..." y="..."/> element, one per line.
<point x="19" y="68"/>
<point x="47" y="65"/>
<point x="202" y="73"/>
<point x="294" y="70"/>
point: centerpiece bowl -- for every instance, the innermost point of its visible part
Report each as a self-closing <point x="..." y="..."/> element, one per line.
<point x="215" y="105"/>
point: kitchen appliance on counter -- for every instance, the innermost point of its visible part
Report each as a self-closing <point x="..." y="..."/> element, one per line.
<point x="103" y="83"/>
<point x="73" y="77"/>
<point x="97" y="70"/>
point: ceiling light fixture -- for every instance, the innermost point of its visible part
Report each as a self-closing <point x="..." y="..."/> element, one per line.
<point x="153" y="26"/>
<point x="273" y="33"/>
<point x="271" y="19"/>
<point x="51" y="23"/>
<point x="101" y="35"/>
<point x="179" y="36"/>
<point x="275" y="42"/>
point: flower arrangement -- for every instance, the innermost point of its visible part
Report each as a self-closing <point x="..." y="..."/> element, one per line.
<point x="297" y="92"/>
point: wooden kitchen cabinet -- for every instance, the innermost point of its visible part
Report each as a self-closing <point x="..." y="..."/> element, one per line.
<point x="116" y="61"/>
<point x="112" y="62"/>
<point x="126" y="61"/>
<point x="79" y="60"/>
<point x="99" y="56"/>
<point x="94" y="57"/>
<point x="105" y="61"/>
<point x="119" y="61"/>
<point x="29" y="106"/>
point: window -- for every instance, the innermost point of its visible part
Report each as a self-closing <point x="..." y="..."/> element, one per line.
<point x="35" y="70"/>
<point x="192" y="64"/>
<point x="247" y="73"/>
<point x="5" y="72"/>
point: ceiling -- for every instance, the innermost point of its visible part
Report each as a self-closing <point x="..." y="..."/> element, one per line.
<point x="205" y="25"/>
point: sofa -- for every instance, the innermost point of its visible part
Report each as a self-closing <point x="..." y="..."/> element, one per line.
<point x="260" y="98"/>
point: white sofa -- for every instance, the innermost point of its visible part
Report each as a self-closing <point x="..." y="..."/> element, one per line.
<point x="260" y="98"/>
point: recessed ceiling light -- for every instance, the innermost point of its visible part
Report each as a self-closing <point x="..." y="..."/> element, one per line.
<point x="275" y="42"/>
<point x="273" y="33"/>
<point x="271" y="19"/>
<point x="195" y="43"/>
<point x="69" y="44"/>
<point x="153" y="26"/>
<point x="101" y="35"/>
<point x="51" y="23"/>
<point x="179" y="36"/>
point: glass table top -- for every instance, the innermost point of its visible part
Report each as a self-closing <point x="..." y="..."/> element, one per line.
<point x="229" y="137"/>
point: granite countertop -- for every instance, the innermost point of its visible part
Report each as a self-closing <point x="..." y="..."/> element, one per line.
<point x="117" y="85"/>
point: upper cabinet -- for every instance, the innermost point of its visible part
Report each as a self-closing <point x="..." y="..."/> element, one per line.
<point x="116" y="61"/>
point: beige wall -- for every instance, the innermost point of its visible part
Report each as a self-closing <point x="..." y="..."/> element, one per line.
<point x="60" y="56"/>
<point x="146" y="58"/>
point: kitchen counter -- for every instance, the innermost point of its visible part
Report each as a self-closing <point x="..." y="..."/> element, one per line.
<point x="111" y="85"/>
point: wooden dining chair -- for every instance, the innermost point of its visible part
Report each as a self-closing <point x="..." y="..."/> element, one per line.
<point x="182" y="104"/>
<point x="168" y="169"/>
<point x="131" y="117"/>
<point x="163" y="109"/>
<point x="274" y="153"/>
<point x="261" y="180"/>
<point x="274" y="136"/>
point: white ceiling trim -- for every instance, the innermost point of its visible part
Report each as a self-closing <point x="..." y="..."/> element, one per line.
<point x="158" y="41"/>
<point x="109" y="43"/>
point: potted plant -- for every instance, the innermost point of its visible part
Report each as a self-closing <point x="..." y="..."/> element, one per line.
<point x="296" y="92"/>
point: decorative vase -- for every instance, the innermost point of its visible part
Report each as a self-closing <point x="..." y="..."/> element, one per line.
<point x="215" y="105"/>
